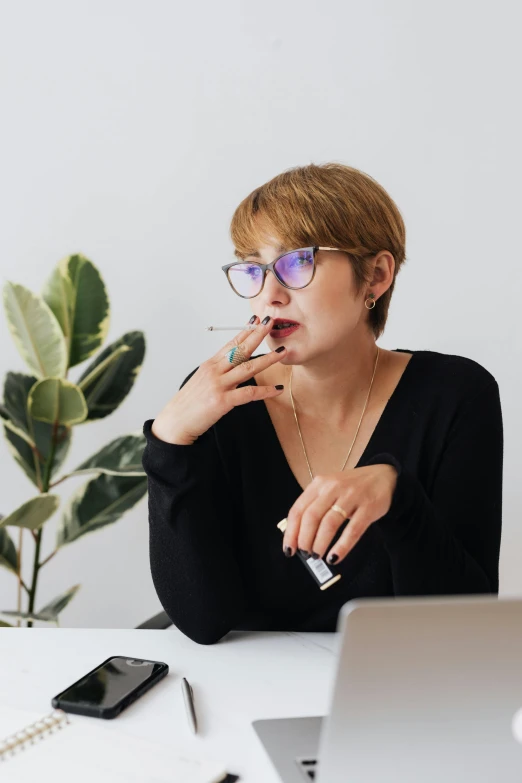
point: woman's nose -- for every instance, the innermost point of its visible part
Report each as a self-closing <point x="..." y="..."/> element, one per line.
<point x="271" y="281"/>
<point x="272" y="287"/>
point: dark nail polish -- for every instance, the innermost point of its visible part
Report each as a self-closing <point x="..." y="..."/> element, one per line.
<point x="265" y="320"/>
<point x="332" y="559"/>
<point x="288" y="551"/>
<point x="323" y="576"/>
<point x="315" y="556"/>
<point x="279" y="386"/>
<point x="252" y="319"/>
<point x="280" y="349"/>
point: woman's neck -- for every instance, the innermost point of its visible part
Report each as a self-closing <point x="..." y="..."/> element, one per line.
<point x="335" y="387"/>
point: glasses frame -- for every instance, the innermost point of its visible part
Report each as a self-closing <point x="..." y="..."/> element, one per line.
<point x="271" y="266"/>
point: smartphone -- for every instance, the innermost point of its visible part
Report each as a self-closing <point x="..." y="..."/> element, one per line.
<point x="109" y="688"/>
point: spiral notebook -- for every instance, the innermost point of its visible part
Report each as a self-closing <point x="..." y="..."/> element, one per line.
<point x="60" y="747"/>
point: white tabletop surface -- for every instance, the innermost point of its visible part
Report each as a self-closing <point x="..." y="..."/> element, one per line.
<point x="242" y="678"/>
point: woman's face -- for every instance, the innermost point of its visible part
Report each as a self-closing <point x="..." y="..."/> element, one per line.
<point x="328" y="310"/>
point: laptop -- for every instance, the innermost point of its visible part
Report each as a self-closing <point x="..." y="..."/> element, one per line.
<point x="426" y="689"/>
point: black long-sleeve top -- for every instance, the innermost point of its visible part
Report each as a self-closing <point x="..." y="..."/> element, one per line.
<point x="216" y="553"/>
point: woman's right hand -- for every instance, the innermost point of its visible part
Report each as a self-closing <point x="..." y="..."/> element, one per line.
<point x="211" y="391"/>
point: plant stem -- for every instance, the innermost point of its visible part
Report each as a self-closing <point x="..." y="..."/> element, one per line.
<point x="59" y="481"/>
<point x="25" y="586"/>
<point x="38" y="454"/>
<point x="36" y="458"/>
<point x="19" y="595"/>
<point x="32" y="592"/>
<point x="48" y="558"/>
<point x="44" y="488"/>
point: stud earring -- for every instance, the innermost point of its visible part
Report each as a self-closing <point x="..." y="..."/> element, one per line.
<point x="371" y="297"/>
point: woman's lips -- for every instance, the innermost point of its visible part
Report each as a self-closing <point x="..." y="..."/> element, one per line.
<point x="275" y="333"/>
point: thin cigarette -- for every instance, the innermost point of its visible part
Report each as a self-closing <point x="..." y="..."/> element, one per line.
<point x="230" y="328"/>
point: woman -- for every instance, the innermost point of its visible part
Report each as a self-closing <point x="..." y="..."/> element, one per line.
<point x="386" y="463"/>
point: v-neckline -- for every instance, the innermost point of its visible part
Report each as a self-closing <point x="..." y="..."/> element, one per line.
<point x="385" y="413"/>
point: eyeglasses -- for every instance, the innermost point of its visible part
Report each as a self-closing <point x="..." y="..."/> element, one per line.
<point x="294" y="269"/>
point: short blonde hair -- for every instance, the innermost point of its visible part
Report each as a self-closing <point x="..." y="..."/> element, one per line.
<point x="332" y="205"/>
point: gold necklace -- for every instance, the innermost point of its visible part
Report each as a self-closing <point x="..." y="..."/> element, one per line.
<point x="358" y="426"/>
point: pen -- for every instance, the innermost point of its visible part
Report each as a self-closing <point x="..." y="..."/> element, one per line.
<point x="233" y="328"/>
<point x="188" y="697"/>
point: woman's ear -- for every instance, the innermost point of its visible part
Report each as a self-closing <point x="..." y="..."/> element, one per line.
<point x="383" y="271"/>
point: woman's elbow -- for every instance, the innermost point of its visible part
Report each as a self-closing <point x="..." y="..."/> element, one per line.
<point x="209" y="633"/>
<point x="209" y="636"/>
<point x="206" y="627"/>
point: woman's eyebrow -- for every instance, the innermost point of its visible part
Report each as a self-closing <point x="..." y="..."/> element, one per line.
<point x="256" y="254"/>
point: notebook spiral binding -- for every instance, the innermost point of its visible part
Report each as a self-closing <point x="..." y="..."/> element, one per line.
<point x="33" y="733"/>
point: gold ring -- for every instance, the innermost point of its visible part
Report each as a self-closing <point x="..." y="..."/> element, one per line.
<point x="340" y="510"/>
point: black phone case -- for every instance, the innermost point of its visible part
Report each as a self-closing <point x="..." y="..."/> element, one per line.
<point x="108" y="713"/>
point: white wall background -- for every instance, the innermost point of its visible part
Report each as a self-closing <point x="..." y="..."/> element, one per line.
<point x="131" y="130"/>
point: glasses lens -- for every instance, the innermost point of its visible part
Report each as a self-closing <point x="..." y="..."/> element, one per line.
<point x="246" y="279"/>
<point x="296" y="269"/>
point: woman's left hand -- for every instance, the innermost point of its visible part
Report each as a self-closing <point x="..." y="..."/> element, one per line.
<point x="364" y="493"/>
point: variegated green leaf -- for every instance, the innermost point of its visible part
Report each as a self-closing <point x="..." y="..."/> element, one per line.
<point x="33" y="513"/>
<point x="51" y="610"/>
<point x="99" y="368"/>
<point x="49" y="613"/>
<point x="58" y="292"/>
<point x="57" y="400"/>
<point x="100" y="502"/>
<point x="8" y="556"/>
<point x="16" y="391"/>
<point x="35" y="331"/>
<point x="104" y="392"/>
<point x="77" y="295"/>
<point x="26" y="616"/>
<point x="120" y="457"/>
<point x="6" y="421"/>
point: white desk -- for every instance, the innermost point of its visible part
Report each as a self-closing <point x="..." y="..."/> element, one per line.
<point x="244" y="677"/>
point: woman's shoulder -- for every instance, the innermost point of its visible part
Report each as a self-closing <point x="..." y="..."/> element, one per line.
<point x="450" y="371"/>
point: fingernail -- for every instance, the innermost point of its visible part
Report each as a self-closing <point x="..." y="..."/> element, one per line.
<point x="288" y="551"/>
<point x="304" y="553"/>
<point x="265" y="320"/>
<point x="252" y="319"/>
<point x="315" y="556"/>
<point x="279" y="386"/>
<point x="332" y="559"/>
<point x="280" y="349"/>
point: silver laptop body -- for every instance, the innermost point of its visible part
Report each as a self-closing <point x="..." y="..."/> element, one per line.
<point x="427" y="689"/>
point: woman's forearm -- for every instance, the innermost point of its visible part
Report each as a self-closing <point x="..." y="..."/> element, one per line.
<point x="191" y="538"/>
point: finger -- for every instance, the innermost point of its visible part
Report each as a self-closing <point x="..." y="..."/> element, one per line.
<point x="238" y="338"/>
<point x="290" y="538"/>
<point x="251" y="367"/>
<point x="251" y="393"/>
<point x="328" y="529"/>
<point x="318" y="523"/>
<point x="247" y="344"/>
<point x="355" y="528"/>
